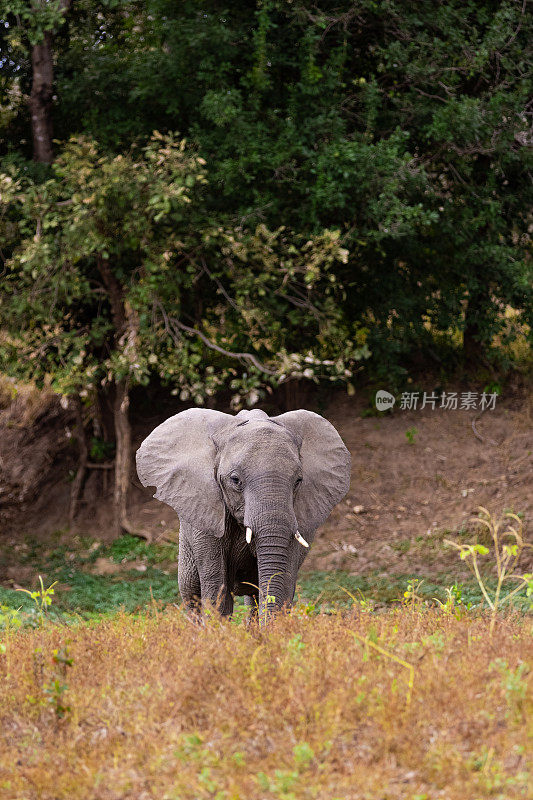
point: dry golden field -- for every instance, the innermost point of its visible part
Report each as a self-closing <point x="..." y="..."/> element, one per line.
<point x="415" y="703"/>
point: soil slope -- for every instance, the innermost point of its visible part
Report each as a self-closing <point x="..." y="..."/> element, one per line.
<point x="408" y="490"/>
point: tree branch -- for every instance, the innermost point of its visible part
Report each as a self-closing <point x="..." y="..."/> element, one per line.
<point x="170" y="321"/>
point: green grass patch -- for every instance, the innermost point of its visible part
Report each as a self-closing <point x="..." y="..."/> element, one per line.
<point x="87" y="595"/>
<point x="80" y="591"/>
<point x="129" y="548"/>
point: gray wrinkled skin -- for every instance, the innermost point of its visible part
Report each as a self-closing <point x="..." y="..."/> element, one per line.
<point x="221" y="474"/>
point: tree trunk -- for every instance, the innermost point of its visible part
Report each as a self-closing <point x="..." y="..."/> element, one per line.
<point x="42" y="91"/>
<point x="122" y="457"/>
<point x="473" y="350"/>
<point x="77" y="483"/>
<point x="104" y="428"/>
<point x="126" y="323"/>
<point x="41" y="99"/>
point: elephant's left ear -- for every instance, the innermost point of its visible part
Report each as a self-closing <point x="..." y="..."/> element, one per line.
<point x="326" y="467"/>
<point x="178" y="458"/>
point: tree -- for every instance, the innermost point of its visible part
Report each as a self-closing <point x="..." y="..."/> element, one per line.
<point x="37" y="22"/>
<point x="73" y="298"/>
<point x="402" y="126"/>
<point x="114" y="280"/>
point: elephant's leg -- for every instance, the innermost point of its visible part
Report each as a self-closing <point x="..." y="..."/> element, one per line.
<point x="212" y="573"/>
<point x="216" y="594"/>
<point x="188" y="577"/>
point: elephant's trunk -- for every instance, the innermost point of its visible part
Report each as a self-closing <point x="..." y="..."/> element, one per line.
<point x="273" y="571"/>
<point x="270" y="515"/>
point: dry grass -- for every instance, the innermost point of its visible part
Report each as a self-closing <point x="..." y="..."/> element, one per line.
<point x="156" y="707"/>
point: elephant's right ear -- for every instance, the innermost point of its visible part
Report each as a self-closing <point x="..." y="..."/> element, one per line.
<point x="178" y="458"/>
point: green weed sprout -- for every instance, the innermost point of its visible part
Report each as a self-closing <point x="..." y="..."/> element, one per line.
<point x="506" y="556"/>
<point x="410" y="434"/>
<point x="454" y="602"/>
<point x="56" y="688"/>
<point x="411" y="596"/>
<point x="41" y="597"/>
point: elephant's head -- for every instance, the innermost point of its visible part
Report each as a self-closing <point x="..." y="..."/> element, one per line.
<point x="279" y="477"/>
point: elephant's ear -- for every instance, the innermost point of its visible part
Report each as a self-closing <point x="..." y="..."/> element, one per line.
<point x="326" y="468"/>
<point x="178" y="458"/>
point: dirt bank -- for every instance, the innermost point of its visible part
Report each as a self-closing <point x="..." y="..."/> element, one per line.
<point x="417" y="476"/>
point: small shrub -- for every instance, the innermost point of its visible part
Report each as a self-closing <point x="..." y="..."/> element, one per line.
<point x="41" y="597"/>
<point x="506" y="557"/>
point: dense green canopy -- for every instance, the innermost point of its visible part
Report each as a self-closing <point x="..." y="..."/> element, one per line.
<point x="354" y="187"/>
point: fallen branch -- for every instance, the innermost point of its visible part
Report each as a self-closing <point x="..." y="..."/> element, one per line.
<point x="477" y="433"/>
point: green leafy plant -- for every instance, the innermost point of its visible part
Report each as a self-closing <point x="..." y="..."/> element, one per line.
<point x="41" y="597"/>
<point x="56" y="688"/>
<point x="453" y="603"/>
<point x="100" y="450"/>
<point x="506" y="556"/>
<point x="410" y="434"/>
<point x="51" y="692"/>
<point x="411" y="596"/>
<point x="9" y="619"/>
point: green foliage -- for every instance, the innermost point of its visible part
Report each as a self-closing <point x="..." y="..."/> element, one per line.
<point x="411" y="596"/>
<point x="9" y="617"/>
<point x="103" y="228"/>
<point x="99" y="449"/>
<point x="55" y="690"/>
<point x="506" y="557"/>
<point x="34" y="20"/>
<point x="112" y="257"/>
<point x="454" y="603"/>
<point x="410" y="435"/>
<point x="41" y="597"/>
<point x="91" y="595"/>
<point x="127" y="548"/>
<point x="367" y="190"/>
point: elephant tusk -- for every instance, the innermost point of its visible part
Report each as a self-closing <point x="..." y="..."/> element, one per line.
<point x="300" y="538"/>
<point x="248" y="535"/>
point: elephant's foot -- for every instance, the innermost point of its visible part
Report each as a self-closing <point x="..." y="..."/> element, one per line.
<point x="193" y="609"/>
<point x="217" y="599"/>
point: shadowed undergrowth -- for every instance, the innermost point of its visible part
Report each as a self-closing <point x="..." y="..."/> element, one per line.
<point x="315" y="707"/>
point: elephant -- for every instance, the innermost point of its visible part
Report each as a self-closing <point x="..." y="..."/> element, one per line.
<point x="250" y="492"/>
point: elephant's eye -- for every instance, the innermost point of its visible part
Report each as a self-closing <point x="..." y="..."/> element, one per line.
<point x="235" y="480"/>
<point x="298" y="482"/>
